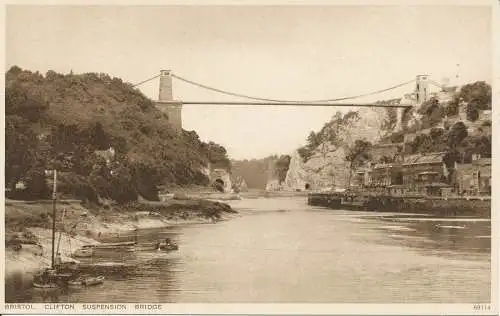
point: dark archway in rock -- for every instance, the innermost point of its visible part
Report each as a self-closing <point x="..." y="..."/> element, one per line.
<point x="219" y="184"/>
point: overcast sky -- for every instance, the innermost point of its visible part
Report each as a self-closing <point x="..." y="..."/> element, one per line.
<point x="273" y="52"/>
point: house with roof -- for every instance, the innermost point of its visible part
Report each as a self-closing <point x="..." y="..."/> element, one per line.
<point x="474" y="178"/>
<point x="386" y="174"/>
<point x="362" y="177"/>
<point x="426" y="174"/>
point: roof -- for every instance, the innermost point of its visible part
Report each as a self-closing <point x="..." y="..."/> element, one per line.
<point x="424" y="158"/>
<point x="385" y="165"/>
<point x="464" y="167"/>
<point x="482" y="162"/>
<point x="469" y="167"/>
<point x="428" y="172"/>
<point x="438" y="185"/>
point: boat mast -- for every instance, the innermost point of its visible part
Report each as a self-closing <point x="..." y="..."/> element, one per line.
<point x="54" y="198"/>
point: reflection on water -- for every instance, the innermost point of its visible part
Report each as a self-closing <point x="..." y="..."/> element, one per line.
<point x="463" y="238"/>
<point x="281" y="250"/>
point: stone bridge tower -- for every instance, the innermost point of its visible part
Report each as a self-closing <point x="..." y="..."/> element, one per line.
<point x="415" y="99"/>
<point x="166" y="102"/>
<point x="422" y="89"/>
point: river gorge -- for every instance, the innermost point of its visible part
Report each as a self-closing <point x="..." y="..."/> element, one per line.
<point x="280" y="250"/>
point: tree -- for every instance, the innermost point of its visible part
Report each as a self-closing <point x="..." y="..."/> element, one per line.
<point x="457" y="133"/>
<point x="313" y="140"/>
<point x="281" y="167"/>
<point x="20" y="148"/>
<point x="478" y="93"/>
<point x="386" y="159"/>
<point x="472" y="112"/>
<point x="122" y="185"/>
<point x="357" y="155"/>
<point x="478" y="97"/>
<point x="24" y="102"/>
<point x="100" y="139"/>
<point x="36" y="182"/>
<point x="217" y="156"/>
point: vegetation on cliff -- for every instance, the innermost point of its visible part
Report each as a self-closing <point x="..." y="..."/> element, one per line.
<point x="331" y="132"/>
<point x="348" y="141"/>
<point x="66" y="122"/>
<point x="452" y="139"/>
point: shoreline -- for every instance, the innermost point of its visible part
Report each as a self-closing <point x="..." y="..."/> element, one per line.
<point x="447" y="207"/>
<point x="28" y="223"/>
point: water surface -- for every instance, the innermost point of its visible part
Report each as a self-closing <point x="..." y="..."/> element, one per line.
<point x="282" y="250"/>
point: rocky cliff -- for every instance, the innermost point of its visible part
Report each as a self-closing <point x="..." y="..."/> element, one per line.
<point x="326" y="166"/>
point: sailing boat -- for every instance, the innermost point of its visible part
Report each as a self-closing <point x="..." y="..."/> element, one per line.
<point x="51" y="277"/>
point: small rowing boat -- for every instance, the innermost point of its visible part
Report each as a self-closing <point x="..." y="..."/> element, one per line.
<point x="168" y="247"/>
<point x="45" y="286"/>
<point x="87" y="281"/>
<point x="84" y="252"/>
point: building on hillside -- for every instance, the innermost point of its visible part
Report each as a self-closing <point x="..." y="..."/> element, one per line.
<point x="424" y="172"/>
<point x="485" y="115"/>
<point x="445" y="95"/>
<point x="409" y="137"/>
<point x="362" y="177"/>
<point x="386" y="174"/>
<point x="474" y="178"/>
<point x="397" y="190"/>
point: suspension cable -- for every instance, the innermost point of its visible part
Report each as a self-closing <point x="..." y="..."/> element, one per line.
<point x="144" y="81"/>
<point x="437" y="84"/>
<point x="291" y="101"/>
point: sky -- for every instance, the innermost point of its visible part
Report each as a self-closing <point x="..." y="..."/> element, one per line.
<point x="280" y="52"/>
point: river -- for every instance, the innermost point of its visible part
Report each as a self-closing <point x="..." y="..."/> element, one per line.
<point x="280" y="250"/>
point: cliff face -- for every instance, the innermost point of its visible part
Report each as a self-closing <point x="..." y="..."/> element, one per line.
<point x="327" y="166"/>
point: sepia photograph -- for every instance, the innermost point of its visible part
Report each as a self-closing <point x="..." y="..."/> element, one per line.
<point x="167" y="155"/>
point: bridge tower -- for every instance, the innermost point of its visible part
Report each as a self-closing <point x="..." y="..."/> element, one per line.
<point x="166" y="102"/>
<point x="422" y="88"/>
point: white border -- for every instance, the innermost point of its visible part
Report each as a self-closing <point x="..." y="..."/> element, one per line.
<point x="346" y="309"/>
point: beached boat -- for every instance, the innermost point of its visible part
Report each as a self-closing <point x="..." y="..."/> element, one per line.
<point x="114" y="245"/>
<point x="84" y="252"/>
<point x="49" y="278"/>
<point x="118" y="246"/>
<point x="87" y="281"/>
<point x="45" y="286"/>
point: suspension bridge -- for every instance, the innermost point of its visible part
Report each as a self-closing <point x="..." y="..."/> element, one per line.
<point x="173" y="107"/>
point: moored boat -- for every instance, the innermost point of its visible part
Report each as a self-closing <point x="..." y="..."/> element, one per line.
<point x="87" y="281"/>
<point x="45" y="286"/>
<point x="49" y="278"/>
<point x="168" y="247"/>
<point x="84" y="252"/>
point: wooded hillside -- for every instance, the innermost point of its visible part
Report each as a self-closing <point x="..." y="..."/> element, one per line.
<point x="60" y="121"/>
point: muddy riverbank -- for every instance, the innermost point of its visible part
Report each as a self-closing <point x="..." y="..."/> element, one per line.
<point x="28" y="224"/>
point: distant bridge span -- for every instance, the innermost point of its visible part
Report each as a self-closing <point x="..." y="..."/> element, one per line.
<point x="173" y="108"/>
<point x="323" y="104"/>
